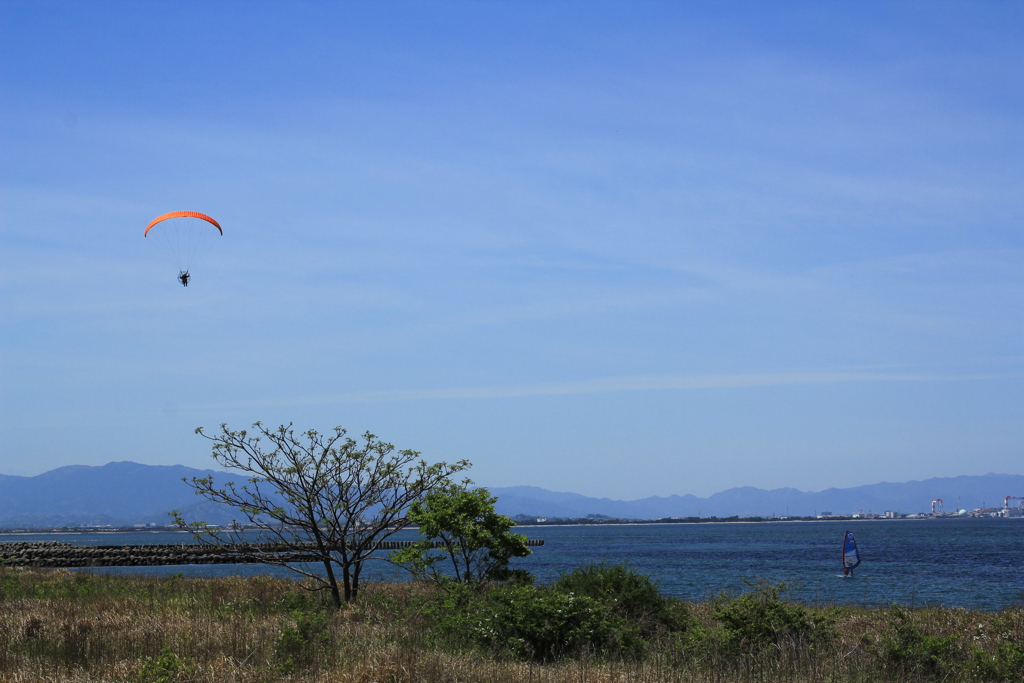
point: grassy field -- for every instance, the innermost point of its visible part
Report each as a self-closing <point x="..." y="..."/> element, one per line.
<point x="59" y="625"/>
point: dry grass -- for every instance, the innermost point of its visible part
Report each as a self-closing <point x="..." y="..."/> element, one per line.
<point x="58" y="625"/>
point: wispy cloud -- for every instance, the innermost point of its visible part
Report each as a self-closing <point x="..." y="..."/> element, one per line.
<point x="604" y="386"/>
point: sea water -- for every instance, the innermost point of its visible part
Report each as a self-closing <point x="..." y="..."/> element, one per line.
<point x="952" y="562"/>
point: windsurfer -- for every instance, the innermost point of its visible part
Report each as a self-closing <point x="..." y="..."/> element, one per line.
<point x="851" y="556"/>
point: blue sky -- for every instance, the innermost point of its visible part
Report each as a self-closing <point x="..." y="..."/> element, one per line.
<point x="622" y="249"/>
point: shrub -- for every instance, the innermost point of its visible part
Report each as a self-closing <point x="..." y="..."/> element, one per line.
<point x="761" y="617"/>
<point x="1007" y="664"/>
<point x="296" y="645"/>
<point x="540" y="624"/>
<point x="166" y="668"/>
<point x="1010" y="661"/>
<point x="608" y="611"/>
<point x="629" y="593"/>
<point x="909" y="651"/>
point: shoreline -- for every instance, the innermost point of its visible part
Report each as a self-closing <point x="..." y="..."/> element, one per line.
<point x="74" y="531"/>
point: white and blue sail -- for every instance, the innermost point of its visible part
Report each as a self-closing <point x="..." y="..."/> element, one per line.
<point x="851" y="556"/>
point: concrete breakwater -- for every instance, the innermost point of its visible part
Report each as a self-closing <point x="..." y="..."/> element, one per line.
<point x="57" y="554"/>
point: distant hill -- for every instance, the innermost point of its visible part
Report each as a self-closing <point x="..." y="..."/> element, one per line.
<point x="116" y="493"/>
<point x="121" y="493"/>
<point x="907" y="497"/>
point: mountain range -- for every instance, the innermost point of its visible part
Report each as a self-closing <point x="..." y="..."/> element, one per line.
<point x="969" y="492"/>
<point x="123" y="493"/>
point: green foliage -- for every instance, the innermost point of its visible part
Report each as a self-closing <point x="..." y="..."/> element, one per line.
<point x="631" y="593"/>
<point x="525" y="622"/>
<point x="301" y="601"/>
<point x="166" y="668"/>
<point x="296" y="644"/>
<point x="612" y="612"/>
<point x="1010" y="661"/>
<point x="1007" y="664"/>
<point x="68" y="586"/>
<point x="477" y="543"/>
<point x="761" y="617"/>
<point x="906" y="649"/>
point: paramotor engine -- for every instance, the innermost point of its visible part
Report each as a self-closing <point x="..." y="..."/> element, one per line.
<point x="185" y="235"/>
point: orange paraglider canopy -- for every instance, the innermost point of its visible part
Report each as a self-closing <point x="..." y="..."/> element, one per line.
<point x="183" y="214"/>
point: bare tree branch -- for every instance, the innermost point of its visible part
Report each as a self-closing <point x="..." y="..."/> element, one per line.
<point x="322" y="496"/>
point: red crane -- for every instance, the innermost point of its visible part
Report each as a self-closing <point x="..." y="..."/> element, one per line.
<point x="1006" y="502"/>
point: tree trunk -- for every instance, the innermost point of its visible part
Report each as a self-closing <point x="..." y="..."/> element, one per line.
<point x="333" y="582"/>
<point x="355" y="580"/>
<point x="349" y="596"/>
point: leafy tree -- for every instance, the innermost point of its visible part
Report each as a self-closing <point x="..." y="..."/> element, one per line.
<point x="462" y="533"/>
<point x="320" y="497"/>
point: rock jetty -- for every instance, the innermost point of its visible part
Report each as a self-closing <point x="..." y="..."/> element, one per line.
<point x="58" y="554"/>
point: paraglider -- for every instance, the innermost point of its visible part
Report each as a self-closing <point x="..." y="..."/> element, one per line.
<point x="184" y="234"/>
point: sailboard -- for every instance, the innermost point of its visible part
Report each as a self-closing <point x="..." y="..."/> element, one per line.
<point x="851" y="556"/>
